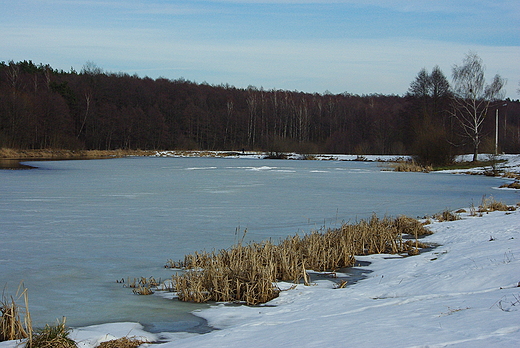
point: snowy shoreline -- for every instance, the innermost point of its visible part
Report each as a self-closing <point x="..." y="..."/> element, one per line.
<point x="464" y="293"/>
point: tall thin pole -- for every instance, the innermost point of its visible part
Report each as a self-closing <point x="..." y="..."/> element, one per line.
<point x="496" y="132"/>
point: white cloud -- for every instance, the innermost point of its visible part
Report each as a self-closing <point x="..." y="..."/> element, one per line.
<point x="355" y="65"/>
<point x="208" y="52"/>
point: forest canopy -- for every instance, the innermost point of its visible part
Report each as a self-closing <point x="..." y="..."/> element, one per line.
<point x="92" y="109"/>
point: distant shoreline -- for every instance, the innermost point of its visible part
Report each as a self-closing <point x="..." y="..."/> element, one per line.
<point x="14" y="154"/>
<point x="11" y="158"/>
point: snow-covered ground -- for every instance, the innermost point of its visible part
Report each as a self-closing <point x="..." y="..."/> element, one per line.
<point x="512" y="162"/>
<point x="463" y="293"/>
<point x="508" y="163"/>
<point x="291" y="155"/>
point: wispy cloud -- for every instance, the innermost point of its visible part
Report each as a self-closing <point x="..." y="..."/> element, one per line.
<point x="357" y="46"/>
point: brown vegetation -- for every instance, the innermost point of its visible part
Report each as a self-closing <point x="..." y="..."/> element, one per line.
<point x="247" y="273"/>
<point x="123" y="342"/>
<point x="8" y="153"/>
<point x="52" y="336"/>
<point x="490" y="204"/>
<point x="12" y="326"/>
<point x="409" y="166"/>
<point x="447" y="215"/>
<point x="513" y="185"/>
<point x="142" y="286"/>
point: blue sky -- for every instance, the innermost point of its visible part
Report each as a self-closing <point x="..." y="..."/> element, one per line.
<point x="356" y="46"/>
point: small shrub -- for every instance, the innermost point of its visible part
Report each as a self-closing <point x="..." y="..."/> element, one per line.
<point x="56" y="336"/>
<point x="123" y="342"/>
<point x="431" y="147"/>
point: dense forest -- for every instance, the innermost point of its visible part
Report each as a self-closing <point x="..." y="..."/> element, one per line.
<point x="44" y="108"/>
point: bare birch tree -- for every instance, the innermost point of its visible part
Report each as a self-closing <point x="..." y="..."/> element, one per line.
<point x="472" y="97"/>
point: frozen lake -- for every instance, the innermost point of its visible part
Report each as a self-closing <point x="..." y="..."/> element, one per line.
<point x="69" y="229"/>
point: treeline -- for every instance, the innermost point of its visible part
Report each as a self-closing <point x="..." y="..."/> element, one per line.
<point x="44" y="108"/>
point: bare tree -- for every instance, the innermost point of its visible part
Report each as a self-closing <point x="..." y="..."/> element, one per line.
<point x="472" y="97"/>
<point x="252" y="107"/>
<point x="88" y="99"/>
<point x="91" y="68"/>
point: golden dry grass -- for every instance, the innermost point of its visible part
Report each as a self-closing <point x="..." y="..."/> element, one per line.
<point x="123" y="342"/>
<point x="12" y="326"/>
<point x="447" y="215"/>
<point x="511" y="175"/>
<point x="142" y="286"/>
<point x="409" y="166"/>
<point x="490" y="204"/>
<point x="248" y="273"/>
<point x="52" y="336"/>
<point x="7" y="153"/>
<point x="513" y="185"/>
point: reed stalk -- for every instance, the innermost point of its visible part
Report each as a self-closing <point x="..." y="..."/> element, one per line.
<point x="12" y="327"/>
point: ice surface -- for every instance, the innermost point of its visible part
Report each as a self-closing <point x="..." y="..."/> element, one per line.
<point x="71" y="228"/>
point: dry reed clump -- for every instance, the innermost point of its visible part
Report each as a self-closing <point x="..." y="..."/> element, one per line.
<point x="62" y="153"/>
<point x="8" y="153"/>
<point x="409" y="166"/>
<point x="511" y="175"/>
<point x="513" y="185"/>
<point x="123" y="342"/>
<point x="12" y="327"/>
<point x="490" y="204"/>
<point x="247" y="273"/>
<point x="412" y="227"/>
<point x="55" y="336"/>
<point x="447" y="215"/>
<point x="142" y="286"/>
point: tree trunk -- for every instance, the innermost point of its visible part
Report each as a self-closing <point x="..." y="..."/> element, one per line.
<point x="475" y="153"/>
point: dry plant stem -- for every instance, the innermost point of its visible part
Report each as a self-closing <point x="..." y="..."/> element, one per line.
<point x="247" y="273"/>
<point x="490" y="204"/>
<point x="11" y="325"/>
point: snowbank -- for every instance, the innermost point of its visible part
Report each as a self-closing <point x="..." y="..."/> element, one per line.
<point x="464" y="293"/>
